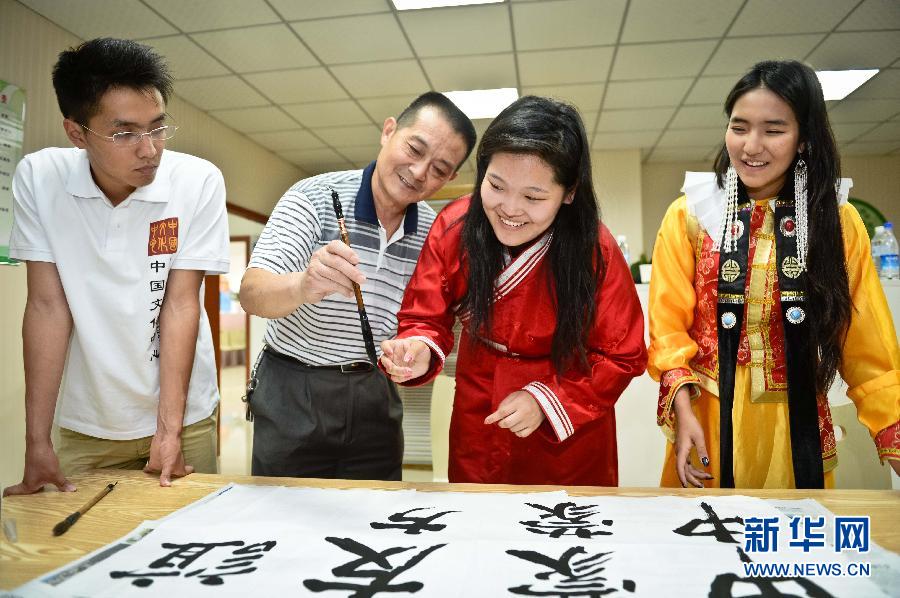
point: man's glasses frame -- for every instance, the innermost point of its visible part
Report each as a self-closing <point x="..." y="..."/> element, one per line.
<point x="129" y="138"/>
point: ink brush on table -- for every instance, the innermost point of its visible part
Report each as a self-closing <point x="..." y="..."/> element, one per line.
<point x="360" y="307"/>
<point x="64" y="525"/>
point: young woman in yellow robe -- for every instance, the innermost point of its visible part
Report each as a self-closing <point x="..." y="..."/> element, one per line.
<point x="778" y="128"/>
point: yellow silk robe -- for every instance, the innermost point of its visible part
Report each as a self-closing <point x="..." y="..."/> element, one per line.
<point x="684" y="350"/>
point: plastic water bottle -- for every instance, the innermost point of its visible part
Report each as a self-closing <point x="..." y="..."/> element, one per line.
<point x="890" y="261"/>
<point x="877" y="248"/>
<point x="623" y="246"/>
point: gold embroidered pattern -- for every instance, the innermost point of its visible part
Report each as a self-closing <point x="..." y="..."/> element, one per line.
<point x="888" y="442"/>
<point x="705" y="363"/>
<point x="827" y="440"/>
<point x="730" y="271"/>
<point x="731" y="298"/>
<point x="760" y="311"/>
<point x="791" y="267"/>
<point x="670" y="382"/>
<point x="793" y="296"/>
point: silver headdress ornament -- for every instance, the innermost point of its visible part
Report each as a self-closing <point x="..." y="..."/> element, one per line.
<point x="800" y="201"/>
<point x="727" y="234"/>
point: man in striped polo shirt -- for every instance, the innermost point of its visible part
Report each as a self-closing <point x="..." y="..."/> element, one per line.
<point x="320" y="408"/>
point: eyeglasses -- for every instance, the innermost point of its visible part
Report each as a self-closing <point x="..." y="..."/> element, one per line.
<point x="130" y="138"/>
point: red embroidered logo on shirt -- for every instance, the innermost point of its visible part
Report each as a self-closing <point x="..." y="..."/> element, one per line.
<point x="163" y="237"/>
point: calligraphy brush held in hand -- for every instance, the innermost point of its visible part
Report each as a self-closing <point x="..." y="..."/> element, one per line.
<point x="64" y="525"/>
<point x="360" y="307"/>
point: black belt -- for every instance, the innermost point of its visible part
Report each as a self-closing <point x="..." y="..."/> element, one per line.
<point x="353" y="367"/>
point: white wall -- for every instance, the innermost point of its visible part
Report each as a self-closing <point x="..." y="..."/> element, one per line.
<point x="242" y="227"/>
<point x="617" y="180"/>
<point x="661" y="182"/>
<point x="12" y="377"/>
<point x="876" y="179"/>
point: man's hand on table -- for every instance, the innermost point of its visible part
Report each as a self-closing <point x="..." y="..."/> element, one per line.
<point x="166" y="458"/>
<point x="41" y="467"/>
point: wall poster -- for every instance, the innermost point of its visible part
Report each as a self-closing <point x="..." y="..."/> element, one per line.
<point x="12" y="128"/>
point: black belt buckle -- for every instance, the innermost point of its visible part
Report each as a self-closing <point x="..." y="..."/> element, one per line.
<point x="356" y="367"/>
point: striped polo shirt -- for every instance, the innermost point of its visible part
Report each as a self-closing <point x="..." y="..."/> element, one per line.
<point x="328" y="332"/>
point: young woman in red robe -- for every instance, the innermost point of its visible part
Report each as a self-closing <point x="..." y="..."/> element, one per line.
<point x="552" y="326"/>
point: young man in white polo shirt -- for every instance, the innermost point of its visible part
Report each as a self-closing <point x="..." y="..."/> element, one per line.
<point x="117" y="235"/>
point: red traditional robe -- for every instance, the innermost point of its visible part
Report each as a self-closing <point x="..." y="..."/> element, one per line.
<point x="576" y="443"/>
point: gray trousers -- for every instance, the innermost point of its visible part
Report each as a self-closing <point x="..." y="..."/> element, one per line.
<point x="315" y="423"/>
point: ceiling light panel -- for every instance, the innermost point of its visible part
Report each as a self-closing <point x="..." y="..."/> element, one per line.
<point x="837" y="85"/>
<point x="420" y="4"/>
<point x="483" y="103"/>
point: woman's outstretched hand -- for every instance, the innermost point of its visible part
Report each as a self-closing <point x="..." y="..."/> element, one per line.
<point x="519" y="413"/>
<point x="405" y="359"/>
<point x="688" y="435"/>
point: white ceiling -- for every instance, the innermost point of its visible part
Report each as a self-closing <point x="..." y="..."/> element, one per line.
<point x="313" y="80"/>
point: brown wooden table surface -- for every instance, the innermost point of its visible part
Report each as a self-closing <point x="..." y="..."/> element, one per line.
<point x="139" y="497"/>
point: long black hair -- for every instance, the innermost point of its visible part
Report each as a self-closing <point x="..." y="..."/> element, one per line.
<point x="827" y="282"/>
<point x="554" y="132"/>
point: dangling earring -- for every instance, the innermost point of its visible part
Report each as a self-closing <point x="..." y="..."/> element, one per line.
<point x="800" y="207"/>
<point x="726" y="235"/>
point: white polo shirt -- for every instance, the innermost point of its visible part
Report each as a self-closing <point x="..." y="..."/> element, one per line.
<point x="114" y="263"/>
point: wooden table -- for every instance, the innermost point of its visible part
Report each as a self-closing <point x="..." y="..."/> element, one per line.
<point x="139" y="497"/>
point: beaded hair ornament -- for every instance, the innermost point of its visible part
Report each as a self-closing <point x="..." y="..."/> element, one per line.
<point x="726" y="237"/>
